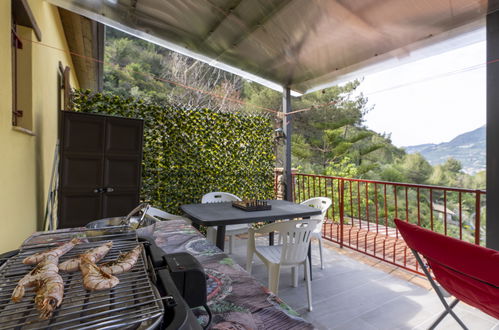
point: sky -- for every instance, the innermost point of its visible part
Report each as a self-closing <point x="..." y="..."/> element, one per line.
<point x="431" y="100"/>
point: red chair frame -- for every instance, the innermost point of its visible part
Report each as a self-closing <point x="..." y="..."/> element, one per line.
<point x="467" y="271"/>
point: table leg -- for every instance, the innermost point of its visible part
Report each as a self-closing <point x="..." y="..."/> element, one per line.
<point x="220" y="237"/>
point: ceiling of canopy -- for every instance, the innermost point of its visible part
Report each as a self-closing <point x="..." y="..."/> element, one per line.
<point x="305" y="45"/>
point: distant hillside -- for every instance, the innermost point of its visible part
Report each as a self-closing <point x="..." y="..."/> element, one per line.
<point x="468" y="148"/>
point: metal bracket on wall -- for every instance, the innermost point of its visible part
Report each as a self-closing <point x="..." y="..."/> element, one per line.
<point x="18" y="113"/>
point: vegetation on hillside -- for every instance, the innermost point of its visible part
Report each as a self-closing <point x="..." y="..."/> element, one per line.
<point x="329" y="137"/>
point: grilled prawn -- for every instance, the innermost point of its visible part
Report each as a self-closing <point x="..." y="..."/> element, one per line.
<point x="124" y="263"/>
<point x="95" y="278"/>
<point x="48" y="283"/>
<point x="56" y="252"/>
<point x="94" y="255"/>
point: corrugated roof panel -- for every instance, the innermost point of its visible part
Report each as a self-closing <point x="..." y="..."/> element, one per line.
<point x="303" y="44"/>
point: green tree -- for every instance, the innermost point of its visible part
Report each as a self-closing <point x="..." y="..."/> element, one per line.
<point x="256" y="95"/>
<point x="416" y="168"/>
<point x="452" y="165"/>
<point x="479" y="181"/>
<point x="344" y="168"/>
<point x="329" y="135"/>
<point x="134" y="67"/>
<point x="391" y="173"/>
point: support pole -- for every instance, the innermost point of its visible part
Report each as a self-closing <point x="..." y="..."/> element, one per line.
<point x="99" y="32"/>
<point x="286" y="125"/>
<point x="492" y="234"/>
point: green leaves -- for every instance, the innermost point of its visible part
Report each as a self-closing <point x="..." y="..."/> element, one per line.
<point x="188" y="153"/>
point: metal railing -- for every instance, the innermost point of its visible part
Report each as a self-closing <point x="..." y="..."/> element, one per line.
<point x="361" y="216"/>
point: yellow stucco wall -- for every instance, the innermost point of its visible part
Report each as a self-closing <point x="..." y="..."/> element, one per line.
<point x="25" y="160"/>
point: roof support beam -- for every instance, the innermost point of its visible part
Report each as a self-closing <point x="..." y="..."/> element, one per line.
<point x="286" y="125"/>
<point x="492" y="131"/>
<point x="492" y="231"/>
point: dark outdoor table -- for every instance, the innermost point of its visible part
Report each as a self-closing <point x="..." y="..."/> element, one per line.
<point x="224" y="214"/>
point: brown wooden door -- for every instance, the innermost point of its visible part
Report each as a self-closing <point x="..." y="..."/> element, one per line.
<point x="100" y="169"/>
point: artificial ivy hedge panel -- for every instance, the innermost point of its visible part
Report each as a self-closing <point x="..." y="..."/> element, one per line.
<point x="188" y="153"/>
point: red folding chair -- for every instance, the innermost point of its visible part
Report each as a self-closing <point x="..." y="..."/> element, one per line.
<point x="467" y="271"/>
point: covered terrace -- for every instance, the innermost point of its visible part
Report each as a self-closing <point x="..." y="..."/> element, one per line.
<point x="298" y="47"/>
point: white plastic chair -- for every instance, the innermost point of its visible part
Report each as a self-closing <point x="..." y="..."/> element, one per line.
<point x="145" y="210"/>
<point x="232" y="230"/>
<point x="160" y="214"/>
<point x="322" y="203"/>
<point x="295" y="237"/>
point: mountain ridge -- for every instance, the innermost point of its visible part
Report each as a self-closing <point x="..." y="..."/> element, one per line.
<point x="468" y="148"/>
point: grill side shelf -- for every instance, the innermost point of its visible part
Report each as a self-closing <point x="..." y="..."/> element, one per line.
<point x="178" y="314"/>
<point x="181" y="316"/>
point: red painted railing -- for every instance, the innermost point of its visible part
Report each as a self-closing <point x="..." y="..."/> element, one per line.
<point x="361" y="216"/>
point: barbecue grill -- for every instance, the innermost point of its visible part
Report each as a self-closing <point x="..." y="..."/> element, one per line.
<point x="144" y="299"/>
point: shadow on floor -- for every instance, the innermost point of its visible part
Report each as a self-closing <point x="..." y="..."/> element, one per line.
<point x="349" y="294"/>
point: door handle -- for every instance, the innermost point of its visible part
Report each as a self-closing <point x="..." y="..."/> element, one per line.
<point x="103" y="190"/>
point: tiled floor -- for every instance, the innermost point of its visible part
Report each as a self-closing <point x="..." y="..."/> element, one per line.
<point x="357" y="292"/>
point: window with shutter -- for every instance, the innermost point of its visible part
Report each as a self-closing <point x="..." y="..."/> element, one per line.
<point x="22" y="30"/>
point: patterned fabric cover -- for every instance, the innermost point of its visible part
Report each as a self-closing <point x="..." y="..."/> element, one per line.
<point x="236" y="299"/>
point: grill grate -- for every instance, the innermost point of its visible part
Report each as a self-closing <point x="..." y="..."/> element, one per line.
<point x="133" y="301"/>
